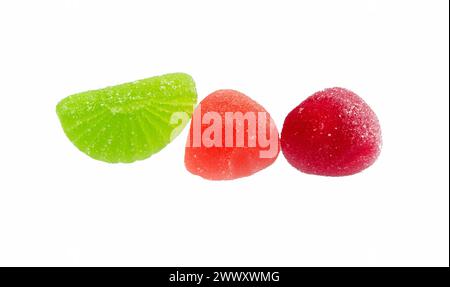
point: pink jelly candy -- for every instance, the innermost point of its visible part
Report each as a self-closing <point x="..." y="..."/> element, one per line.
<point x="231" y="136"/>
<point x="332" y="133"/>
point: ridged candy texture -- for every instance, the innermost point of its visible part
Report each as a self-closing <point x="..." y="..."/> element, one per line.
<point x="131" y="121"/>
<point x="332" y="133"/>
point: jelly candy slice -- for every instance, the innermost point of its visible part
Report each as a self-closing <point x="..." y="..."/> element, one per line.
<point x="332" y="133"/>
<point x="131" y="121"/>
<point x="231" y="136"/>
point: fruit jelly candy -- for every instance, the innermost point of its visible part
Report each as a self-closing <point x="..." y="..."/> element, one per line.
<point x="131" y="121"/>
<point x="332" y="133"/>
<point x="231" y="136"/>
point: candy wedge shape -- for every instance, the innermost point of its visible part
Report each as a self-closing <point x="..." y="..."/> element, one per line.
<point x="131" y="121"/>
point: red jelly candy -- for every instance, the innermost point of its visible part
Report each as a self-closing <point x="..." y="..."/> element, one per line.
<point x="332" y="133"/>
<point x="231" y="136"/>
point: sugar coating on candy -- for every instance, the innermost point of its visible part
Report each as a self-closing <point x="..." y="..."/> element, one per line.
<point x="231" y="136"/>
<point x="131" y="121"/>
<point x="332" y="133"/>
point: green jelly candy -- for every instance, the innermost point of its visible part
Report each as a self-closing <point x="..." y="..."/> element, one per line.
<point x="131" y="121"/>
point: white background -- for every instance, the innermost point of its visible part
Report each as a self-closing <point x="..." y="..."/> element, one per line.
<point x="59" y="207"/>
